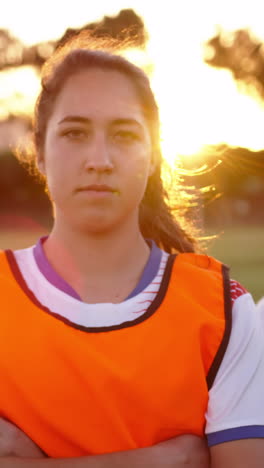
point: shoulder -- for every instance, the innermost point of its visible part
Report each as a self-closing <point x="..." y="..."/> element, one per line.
<point x="9" y="263"/>
<point x="236" y="290"/>
<point x="200" y="275"/>
<point x="260" y="306"/>
<point x="211" y="270"/>
<point x="200" y="261"/>
<point x="204" y="278"/>
<point x="245" y="318"/>
<point x="235" y="408"/>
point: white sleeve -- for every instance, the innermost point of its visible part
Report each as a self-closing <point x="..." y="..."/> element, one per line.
<point x="260" y="308"/>
<point x="236" y="399"/>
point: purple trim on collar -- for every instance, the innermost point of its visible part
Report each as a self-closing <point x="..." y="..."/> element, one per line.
<point x="149" y="273"/>
<point x="150" y="270"/>
<point x="48" y="271"/>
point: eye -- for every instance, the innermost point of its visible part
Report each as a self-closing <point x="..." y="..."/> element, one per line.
<point x="126" y="136"/>
<point x="75" y="133"/>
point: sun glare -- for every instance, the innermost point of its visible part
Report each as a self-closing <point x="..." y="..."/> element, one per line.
<point x="18" y="91"/>
<point x="175" y="137"/>
<point x="199" y="105"/>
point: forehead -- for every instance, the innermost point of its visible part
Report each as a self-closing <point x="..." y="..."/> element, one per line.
<point x="98" y="93"/>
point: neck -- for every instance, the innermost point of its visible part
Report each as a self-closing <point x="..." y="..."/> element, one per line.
<point x="88" y="260"/>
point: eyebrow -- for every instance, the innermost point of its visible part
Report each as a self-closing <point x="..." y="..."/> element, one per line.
<point x="75" y="118"/>
<point x="86" y="120"/>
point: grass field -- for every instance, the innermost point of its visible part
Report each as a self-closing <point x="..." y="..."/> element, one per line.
<point x="242" y="248"/>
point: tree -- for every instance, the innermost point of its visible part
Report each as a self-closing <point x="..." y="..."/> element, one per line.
<point x="13" y="53"/>
<point x="127" y="24"/>
<point x="242" y="54"/>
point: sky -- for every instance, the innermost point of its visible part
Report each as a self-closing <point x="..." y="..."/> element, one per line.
<point x="199" y="105"/>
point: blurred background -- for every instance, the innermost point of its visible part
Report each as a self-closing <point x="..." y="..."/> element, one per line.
<point x="206" y="64"/>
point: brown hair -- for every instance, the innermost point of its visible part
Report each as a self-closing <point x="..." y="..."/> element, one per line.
<point x="156" y="217"/>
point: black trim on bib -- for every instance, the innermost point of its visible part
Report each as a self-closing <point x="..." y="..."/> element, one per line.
<point x="150" y="311"/>
<point x="228" y="326"/>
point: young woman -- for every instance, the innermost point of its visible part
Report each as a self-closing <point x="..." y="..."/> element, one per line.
<point x="120" y="346"/>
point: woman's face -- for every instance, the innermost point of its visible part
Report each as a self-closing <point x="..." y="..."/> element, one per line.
<point x="97" y="151"/>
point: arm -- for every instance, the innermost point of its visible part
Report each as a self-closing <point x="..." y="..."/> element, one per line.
<point x="166" y="457"/>
<point x="238" y="454"/>
<point x="190" y="451"/>
<point x="235" y="413"/>
<point x="18" y="451"/>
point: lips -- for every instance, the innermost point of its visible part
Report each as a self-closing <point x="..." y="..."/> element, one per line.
<point x="97" y="188"/>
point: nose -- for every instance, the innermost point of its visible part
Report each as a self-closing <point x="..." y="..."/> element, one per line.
<point x="98" y="155"/>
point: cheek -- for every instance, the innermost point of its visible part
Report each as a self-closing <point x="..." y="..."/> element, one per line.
<point x="58" y="177"/>
<point x="137" y="172"/>
<point x="138" y="158"/>
<point x="58" y="162"/>
<point x="142" y="167"/>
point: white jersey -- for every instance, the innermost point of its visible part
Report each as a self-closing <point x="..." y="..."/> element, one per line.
<point x="260" y="307"/>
